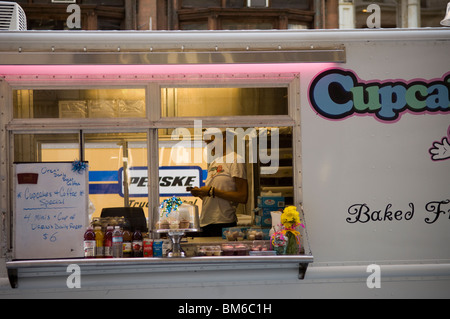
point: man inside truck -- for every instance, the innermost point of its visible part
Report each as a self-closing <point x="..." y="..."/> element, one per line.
<point x="226" y="184"/>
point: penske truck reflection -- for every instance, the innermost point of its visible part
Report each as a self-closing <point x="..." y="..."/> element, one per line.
<point x="113" y="184"/>
<point x="173" y="180"/>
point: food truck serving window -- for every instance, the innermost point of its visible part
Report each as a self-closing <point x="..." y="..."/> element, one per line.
<point x="169" y="155"/>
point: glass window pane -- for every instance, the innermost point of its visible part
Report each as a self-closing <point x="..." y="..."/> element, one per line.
<point x="194" y="25"/>
<point x="201" y="3"/>
<point x="117" y="164"/>
<point x="291" y="4"/>
<point x="46" y="147"/>
<point x="293" y="25"/>
<point x="248" y="24"/>
<point x="188" y="157"/>
<point x="236" y="3"/>
<point x="191" y="102"/>
<point x="95" y="103"/>
<point x="432" y="12"/>
<point x="117" y="170"/>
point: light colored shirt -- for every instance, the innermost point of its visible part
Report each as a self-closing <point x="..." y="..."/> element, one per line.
<point x="221" y="176"/>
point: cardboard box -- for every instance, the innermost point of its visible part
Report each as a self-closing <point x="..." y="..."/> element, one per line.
<point x="147" y="247"/>
<point x="275" y="203"/>
<point x="264" y="218"/>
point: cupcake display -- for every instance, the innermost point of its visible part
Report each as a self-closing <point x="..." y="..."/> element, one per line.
<point x="235" y="234"/>
<point x="174" y="214"/>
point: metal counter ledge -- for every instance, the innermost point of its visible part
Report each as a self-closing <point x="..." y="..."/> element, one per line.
<point x="139" y="272"/>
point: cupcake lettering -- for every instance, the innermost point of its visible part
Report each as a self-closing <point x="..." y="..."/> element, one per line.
<point x="337" y="94"/>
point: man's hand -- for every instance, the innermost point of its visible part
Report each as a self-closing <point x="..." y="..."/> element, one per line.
<point x="200" y="192"/>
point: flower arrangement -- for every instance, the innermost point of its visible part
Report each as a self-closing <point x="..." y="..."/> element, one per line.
<point x="288" y="236"/>
<point x="169" y="205"/>
<point x="279" y="242"/>
<point x="168" y="213"/>
<point x="290" y="217"/>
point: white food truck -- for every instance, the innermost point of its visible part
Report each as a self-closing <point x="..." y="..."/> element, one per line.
<point x="362" y="119"/>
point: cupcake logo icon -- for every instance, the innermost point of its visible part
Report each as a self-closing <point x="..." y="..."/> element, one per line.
<point x="441" y="149"/>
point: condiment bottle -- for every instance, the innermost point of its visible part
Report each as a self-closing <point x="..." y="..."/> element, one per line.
<point x="137" y="244"/>
<point x="117" y="242"/>
<point x="127" y="243"/>
<point x="99" y="238"/>
<point x="89" y="243"/>
<point x="107" y="242"/>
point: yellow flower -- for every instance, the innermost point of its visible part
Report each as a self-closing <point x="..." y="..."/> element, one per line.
<point x="290" y="217"/>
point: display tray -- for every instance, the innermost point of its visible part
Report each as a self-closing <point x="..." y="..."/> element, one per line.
<point x="178" y="230"/>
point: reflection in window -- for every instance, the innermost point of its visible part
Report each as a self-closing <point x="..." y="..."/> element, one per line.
<point x="248" y="24"/>
<point x="432" y="12"/>
<point x="185" y="157"/>
<point x="96" y="103"/>
<point x="117" y="170"/>
<point x="191" y="102"/>
<point x="194" y="25"/>
<point x="46" y="147"/>
<point x="118" y="166"/>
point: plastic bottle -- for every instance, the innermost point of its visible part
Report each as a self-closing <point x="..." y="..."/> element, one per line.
<point x="99" y="238"/>
<point x="117" y="242"/>
<point x="107" y="242"/>
<point x="89" y="243"/>
<point x="127" y="242"/>
<point x="138" y="250"/>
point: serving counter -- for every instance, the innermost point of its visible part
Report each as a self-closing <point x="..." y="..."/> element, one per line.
<point x="144" y="272"/>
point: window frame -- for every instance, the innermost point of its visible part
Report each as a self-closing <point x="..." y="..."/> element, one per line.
<point x="150" y="124"/>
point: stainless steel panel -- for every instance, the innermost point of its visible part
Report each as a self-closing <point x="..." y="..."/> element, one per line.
<point x="69" y="58"/>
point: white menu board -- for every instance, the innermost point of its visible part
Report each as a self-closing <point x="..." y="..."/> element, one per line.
<point x="50" y="209"/>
